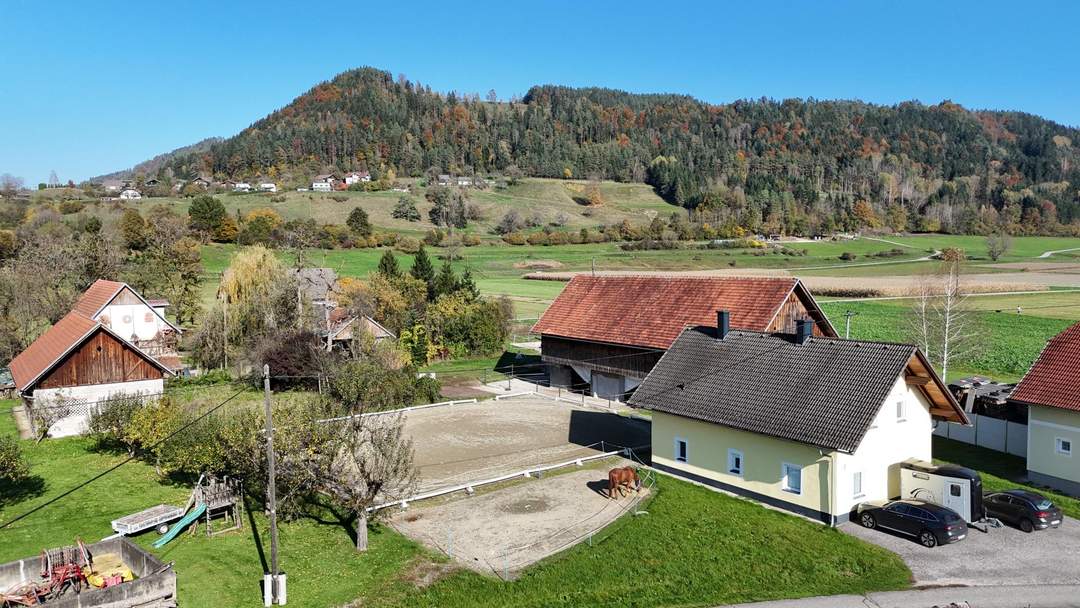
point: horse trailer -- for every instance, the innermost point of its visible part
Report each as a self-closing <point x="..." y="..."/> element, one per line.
<point x="951" y="486"/>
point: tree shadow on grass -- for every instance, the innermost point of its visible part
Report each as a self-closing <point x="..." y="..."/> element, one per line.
<point x="25" y="489"/>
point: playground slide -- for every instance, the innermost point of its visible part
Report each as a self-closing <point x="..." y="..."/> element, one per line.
<point x="179" y="526"/>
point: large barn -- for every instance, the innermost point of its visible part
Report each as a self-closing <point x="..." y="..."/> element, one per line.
<point x="604" y="334"/>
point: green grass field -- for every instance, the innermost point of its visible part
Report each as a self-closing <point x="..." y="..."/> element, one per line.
<point x="1005" y="345"/>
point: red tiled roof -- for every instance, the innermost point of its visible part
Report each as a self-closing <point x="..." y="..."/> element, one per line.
<point x="652" y="311"/>
<point x="1054" y="379"/>
<point x="50" y="346"/>
<point x="96" y="296"/>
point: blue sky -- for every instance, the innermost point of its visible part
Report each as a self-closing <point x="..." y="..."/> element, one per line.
<point x="91" y="87"/>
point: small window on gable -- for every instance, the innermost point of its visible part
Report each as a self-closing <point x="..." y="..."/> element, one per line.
<point x="735" y="462"/>
<point x="1063" y="446"/>
<point x="901" y="410"/>
<point x="681" y="450"/>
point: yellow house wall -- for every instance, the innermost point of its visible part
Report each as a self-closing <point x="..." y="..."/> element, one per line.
<point x="1045" y="425"/>
<point x="763" y="456"/>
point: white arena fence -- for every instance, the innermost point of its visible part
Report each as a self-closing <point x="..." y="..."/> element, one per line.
<point x="990" y="433"/>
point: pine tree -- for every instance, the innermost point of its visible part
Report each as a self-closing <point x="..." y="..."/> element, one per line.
<point x="446" y="282"/>
<point x="467" y="285"/>
<point x="358" y="222"/>
<point x="388" y="265"/>
<point x="423" y="270"/>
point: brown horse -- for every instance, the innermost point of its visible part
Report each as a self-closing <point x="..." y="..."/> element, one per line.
<point x="622" y="478"/>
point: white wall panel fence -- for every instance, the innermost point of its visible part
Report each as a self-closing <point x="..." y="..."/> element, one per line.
<point x="990" y="433"/>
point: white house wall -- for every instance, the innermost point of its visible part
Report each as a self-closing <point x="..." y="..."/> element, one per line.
<point x="83" y="400"/>
<point x="888" y="443"/>
<point x="133" y="319"/>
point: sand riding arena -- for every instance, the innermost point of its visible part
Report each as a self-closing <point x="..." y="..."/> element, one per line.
<point x="546" y="461"/>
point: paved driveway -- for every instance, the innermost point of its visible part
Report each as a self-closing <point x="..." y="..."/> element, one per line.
<point x="1003" y="556"/>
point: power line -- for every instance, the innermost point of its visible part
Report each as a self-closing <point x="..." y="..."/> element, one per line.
<point x="83" y="484"/>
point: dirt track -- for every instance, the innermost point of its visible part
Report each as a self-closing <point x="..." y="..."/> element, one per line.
<point x="462" y="443"/>
<point x="502" y="532"/>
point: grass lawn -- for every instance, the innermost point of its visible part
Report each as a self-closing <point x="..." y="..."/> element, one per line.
<point x="694" y="548"/>
<point x="998" y="471"/>
<point x="1009" y="342"/>
<point x="226" y="570"/>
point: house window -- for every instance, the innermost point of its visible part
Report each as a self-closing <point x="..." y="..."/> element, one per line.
<point x="901" y="411"/>
<point x="856" y="485"/>
<point x="681" y="450"/>
<point x="1063" y="446"/>
<point x="791" y="478"/>
<point x="735" y="462"/>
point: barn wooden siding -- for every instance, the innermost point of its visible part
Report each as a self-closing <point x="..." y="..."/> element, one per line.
<point x="792" y="310"/>
<point x="102" y="359"/>
<point x="612" y="358"/>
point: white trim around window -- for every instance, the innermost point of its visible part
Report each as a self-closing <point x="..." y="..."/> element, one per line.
<point x="791" y="478"/>
<point x="682" y="450"/>
<point x="735" y="462"/>
<point x="901" y="410"/>
<point x="1063" y="446"/>
<point x="856" y="485"/>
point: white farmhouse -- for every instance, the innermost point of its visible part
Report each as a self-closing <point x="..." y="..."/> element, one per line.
<point x="813" y="425"/>
<point x="355" y="177"/>
<point x="130" y="194"/>
<point x="267" y="187"/>
<point x="321" y="186"/>
<point x="242" y="187"/>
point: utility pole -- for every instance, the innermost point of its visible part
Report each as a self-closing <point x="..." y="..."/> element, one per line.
<point x="847" y="322"/>
<point x="273" y="583"/>
<point x="594" y="267"/>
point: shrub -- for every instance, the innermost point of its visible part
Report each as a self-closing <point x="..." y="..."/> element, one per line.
<point x="209" y="378"/>
<point x="339" y="198"/>
<point x="14" y="468"/>
<point x="514" y="238"/>
<point x="277" y="198"/>
<point x="408" y="245"/>
<point x="847" y="256"/>
<point x="538" y="238"/>
<point x="69" y="207"/>
<point x="405" y="209"/>
<point x="434" y="237"/>
<point x="470" y="240"/>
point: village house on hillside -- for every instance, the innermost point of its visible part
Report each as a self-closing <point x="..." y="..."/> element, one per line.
<point x="335" y="325"/>
<point x="1051" y="392"/>
<point x="112" y="343"/>
<point x="355" y="177"/>
<point x="608" y="332"/>
<point x="814" y="425"/>
<point x="130" y="194"/>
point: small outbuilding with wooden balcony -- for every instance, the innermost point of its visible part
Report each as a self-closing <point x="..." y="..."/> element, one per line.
<point x="814" y="425"/>
<point x="604" y="334"/>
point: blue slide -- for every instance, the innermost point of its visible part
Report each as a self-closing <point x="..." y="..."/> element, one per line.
<point x="186" y="521"/>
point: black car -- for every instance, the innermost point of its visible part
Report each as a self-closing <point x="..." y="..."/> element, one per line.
<point x="1026" y="510"/>
<point x="930" y="524"/>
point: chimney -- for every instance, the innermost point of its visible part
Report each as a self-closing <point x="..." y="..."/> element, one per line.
<point x="723" y="323"/>
<point x="804" y="328"/>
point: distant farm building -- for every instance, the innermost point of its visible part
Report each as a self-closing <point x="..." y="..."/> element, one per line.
<point x="241" y="187"/>
<point x="113" y="342"/>
<point x="267" y="187"/>
<point x="130" y="194"/>
<point x="604" y="334"/>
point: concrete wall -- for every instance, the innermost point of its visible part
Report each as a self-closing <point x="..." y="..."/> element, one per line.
<point x="1045" y="426"/>
<point x="151" y="587"/>
<point x="83" y="399"/>
<point x="990" y="433"/>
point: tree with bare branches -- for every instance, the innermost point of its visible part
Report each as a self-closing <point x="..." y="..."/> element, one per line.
<point x="941" y="322"/>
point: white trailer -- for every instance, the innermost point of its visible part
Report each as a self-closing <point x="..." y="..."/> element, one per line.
<point x="950" y="486"/>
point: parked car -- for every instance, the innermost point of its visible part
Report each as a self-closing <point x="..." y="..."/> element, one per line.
<point x="928" y="523"/>
<point x="1026" y="510"/>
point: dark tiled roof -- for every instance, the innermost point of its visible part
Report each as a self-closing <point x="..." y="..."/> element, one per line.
<point x="825" y="392"/>
<point x="1054" y="379"/>
<point x="652" y="311"/>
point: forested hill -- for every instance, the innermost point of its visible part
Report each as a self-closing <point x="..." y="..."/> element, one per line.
<point x="150" y="167"/>
<point x="792" y="165"/>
